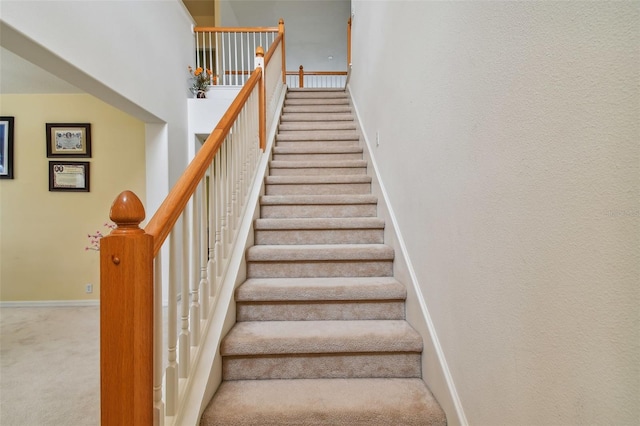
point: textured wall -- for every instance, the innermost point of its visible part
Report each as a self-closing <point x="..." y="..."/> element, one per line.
<point x="42" y="255"/>
<point x="509" y="146"/>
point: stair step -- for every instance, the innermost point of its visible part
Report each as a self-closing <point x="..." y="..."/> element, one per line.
<point x="315" y="109"/>
<point x="316" y="125"/>
<point x="318" y="135"/>
<point x="315" y="299"/>
<point x="316" y="101"/>
<point x="342" y="167"/>
<point x="317" y="184"/>
<point x="261" y="350"/>
<point x="338" y="402"/>
<point x="316" y="117"/>
<point x="356" y="230"/>
<point x="304" y="152"/>
<point x="319" y="93"/>
<point x="320" y="260"/>
<point x="307" y="206"/>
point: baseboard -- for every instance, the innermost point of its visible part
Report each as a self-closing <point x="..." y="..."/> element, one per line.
<point x="440" y="382"/>
<point x="49" y="303"/>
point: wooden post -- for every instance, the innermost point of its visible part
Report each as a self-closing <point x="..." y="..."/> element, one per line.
<point x="284" y="56"/>
<point x="262" y="99"/>
<point x="126" y="317"/>
<point x="301" y="77"/>
<point x="348" y="43"/>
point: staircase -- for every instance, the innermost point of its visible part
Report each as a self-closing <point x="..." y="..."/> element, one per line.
<point x="320" y="336"/>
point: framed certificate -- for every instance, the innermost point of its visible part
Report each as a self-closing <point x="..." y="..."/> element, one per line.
<point x="69" y="176"/>
<point x="6" y="147"/>
<point x="68" y="140"/>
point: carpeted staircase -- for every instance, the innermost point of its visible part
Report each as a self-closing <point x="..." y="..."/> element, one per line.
<point x="320" y="336"/>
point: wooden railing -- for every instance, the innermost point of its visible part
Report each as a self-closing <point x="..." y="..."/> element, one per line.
<point x="316" y="79"/>
<point x="144" y="380"/>
<point x="228" y="52"/>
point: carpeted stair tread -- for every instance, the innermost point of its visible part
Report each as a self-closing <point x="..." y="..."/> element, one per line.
<point x="319" y="252"/>
<point x="319" y="223"/>
<point x="318" y="164"/>
<point x="311" y="289"/>
<point x="337" y="402"/>
<point x="316" y="125"/>
<point x="317" y="117"/>
<point x="318" y="199"/>
<point x="296" y="109"/>
<point x="316" y="179"/>
<point x="316" y="101"/>
<point x="331" y="149"/>
<point x="319" y="337"/>
<point x="318" y="135"/>
<point x="315" y="93"/>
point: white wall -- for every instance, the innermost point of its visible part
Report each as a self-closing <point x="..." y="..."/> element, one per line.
<point x="130" y="54"/>
<point x="509" y="150"/>
<point x="314" y="29"/>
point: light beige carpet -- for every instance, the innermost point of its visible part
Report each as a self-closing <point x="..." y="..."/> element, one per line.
<point x="50" y="366"/>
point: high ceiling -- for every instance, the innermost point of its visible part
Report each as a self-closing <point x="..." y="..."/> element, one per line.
<point x="19" y="76"/>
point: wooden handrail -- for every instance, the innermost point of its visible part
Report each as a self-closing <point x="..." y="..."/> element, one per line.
<point x="316" y="72"/>
<point x="170" y="210"/>
<point x="236" y="29"/>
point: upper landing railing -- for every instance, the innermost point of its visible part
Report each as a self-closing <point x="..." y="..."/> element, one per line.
<point x="149" y="352"/>
<point x="227" y="53"/>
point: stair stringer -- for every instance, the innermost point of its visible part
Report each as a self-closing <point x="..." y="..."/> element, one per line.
<point x="207" y="369"/>
<point x="435" y="370"/>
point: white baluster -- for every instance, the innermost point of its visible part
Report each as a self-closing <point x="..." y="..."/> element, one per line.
<point x="184" y="347"/>
<point x="213" y="228"/>
<point x="171" y="375"/>
<point x="194" y="279"/>
<point x="204" y="249"/>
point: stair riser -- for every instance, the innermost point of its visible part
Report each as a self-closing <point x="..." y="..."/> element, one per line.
<point x="319" y="236"/>
<point x="317" y="95"/>
<point x="315" y="366"/>
<point x="317" y="171"/>
<point x="308" y="269"/>
<point x="306" y="102"/>
<point x="329" y="210"/>
<point x="319" y="189"/>
<point x="322" y="117"/>
<point x="314" y="136"/>
<point x="320" y="311"/>
<point x="318" y="156"/>
<point x="301" y="126"/>
<point x="316" y="144"/>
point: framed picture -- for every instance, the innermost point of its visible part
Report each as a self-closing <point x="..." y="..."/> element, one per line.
<point x="6" y="147"/>
<point x="68" y="140"/>
<point x="69" y="176"/>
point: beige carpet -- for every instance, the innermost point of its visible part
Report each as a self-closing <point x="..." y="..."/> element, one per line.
<point x="49" y="366"/>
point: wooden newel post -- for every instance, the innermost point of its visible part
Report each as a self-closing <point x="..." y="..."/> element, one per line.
<point x="284" y="55"/>
<point x="262" y="100"/>
<point x="301" y="77"/>
<point x="126" y="317"/>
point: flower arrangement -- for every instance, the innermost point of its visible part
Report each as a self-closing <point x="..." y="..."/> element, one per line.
<point x="94" y="239"/>
<point x="200" y="81"/>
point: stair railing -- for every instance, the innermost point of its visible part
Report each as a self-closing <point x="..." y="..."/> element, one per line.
<point x="316" y="79"/>
<point x="199" y="217"/>
<point x="228" y="52"/>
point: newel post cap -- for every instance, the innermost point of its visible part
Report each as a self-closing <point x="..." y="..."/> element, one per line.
<point x="127" y="212"/>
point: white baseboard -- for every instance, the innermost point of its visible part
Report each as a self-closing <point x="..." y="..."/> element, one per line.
<point x="49" y="303"/>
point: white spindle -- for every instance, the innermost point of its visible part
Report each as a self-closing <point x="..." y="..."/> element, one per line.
<point x="183" y="339"/>
<point x="171" y="375"/>
<point x="204" y="251"/>
<point x="194" y="279"/>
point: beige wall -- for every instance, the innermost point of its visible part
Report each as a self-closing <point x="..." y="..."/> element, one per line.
<point x="509" y="147"/>
<point x="43" y="234"/>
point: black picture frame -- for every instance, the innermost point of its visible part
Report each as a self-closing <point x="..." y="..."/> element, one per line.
<point x="6" y="147"/>
<point x="69" y="176"/>
<point x="68" y="140"/>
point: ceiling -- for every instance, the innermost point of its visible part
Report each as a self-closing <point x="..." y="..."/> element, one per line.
<point x="19" y="76"/>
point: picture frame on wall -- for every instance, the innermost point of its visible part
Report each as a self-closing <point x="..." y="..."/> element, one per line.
<point x="69" y="176"/>
<point x="6" y="147"/>
<point x="68" y="140"/>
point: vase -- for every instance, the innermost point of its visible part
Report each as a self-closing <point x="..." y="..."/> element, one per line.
<point x="201" y="94"/>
